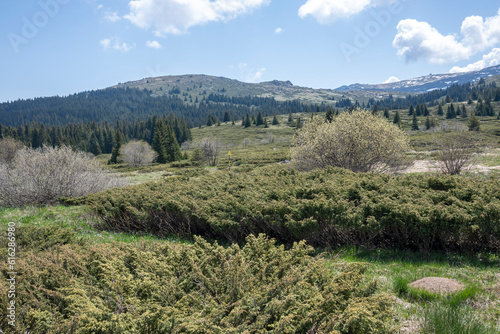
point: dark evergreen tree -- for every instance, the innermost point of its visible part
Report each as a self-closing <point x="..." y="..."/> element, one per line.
<point x="247" y="123"/>
<point x="386" y="113"/>
<point x="411" y="111"/>
<point x="116" y="148"/>
<point x="259" y="120"/>
<point x="226" y="117"/>
<point x="414" y="123"/>
<point x="275" y="120"/>
<point x="397" y="118"/>
<point x="329" y="115"/>
<point x="94" y="146"/>
<point x="450" y="113"/>
<point x="440" y="111"/>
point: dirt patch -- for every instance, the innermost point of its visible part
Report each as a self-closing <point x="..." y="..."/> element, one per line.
<point x="437" y="285"/>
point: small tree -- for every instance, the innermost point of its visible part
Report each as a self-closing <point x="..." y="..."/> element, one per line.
<point x="474" y="124"/>
<point x="211" y="148"/>
<point x="8" y="149"/>
<point x="456" y="151"/>
<point x="137" y="153"/>
<point x="358" y="141"/>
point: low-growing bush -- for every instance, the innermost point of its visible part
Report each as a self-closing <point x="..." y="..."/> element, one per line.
<point x="199" y="288"/>
<point x="41" y="176"/>
<point x="328" y="208"/>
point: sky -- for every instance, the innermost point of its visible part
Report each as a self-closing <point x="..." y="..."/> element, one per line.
<point x="61" y="47"/>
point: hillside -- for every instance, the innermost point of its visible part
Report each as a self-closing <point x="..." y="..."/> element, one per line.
<point x="198" y="84"/>
<point x="429" y="82"/>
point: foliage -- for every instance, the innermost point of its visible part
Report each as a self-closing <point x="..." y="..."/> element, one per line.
<point x="137" y="153"/>
<point x="41" y="176"/>
<point x="359" y="141"/>
<point x="199" y="288"/>
<point x="329" y="207"/>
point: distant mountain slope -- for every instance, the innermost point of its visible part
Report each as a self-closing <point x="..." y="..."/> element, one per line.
<point x="193" y="85"/>
<point x="427" y="83"/>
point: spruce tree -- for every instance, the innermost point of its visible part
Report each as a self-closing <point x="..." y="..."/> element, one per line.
<point x="411" y="111"/>
<point x="386" y="113"/>
<point x="247" y="123"/>
<point x="172" y="146"/>
<point x="160" y="142"/>
<point x="397" y="118"/>
<point x="329" y="115"/>
<point x="260" y="120"/>
<point x="226" y="117"/>
<point x="94" y="146"/>
<point x="290" y="118"/>
<point x="440" y="111"/>
<point x="464" y="111"/>
<point x="414" y="123"/>
<point x="375" y="109"/>
<point x="115" y="152"/>
<point x="275" y="120"/>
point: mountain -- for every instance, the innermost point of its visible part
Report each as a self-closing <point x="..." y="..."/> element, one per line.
<point x="192" y="85"/>
<point x="426" y="83"/>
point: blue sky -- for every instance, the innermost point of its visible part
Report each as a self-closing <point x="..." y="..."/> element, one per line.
<point x="60" y="47"/>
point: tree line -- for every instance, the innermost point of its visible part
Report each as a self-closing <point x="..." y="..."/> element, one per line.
<point x="98" y="138"/>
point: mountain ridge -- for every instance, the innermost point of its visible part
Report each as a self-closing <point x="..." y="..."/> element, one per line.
<point x="426" y="83"/>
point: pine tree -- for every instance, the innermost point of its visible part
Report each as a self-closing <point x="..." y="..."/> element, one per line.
<point x="386" y="113"/>
<point x="299" y="123"/>
<point x="275" y="120"/>
<point x="247" y="123"/>
<point x="411" y="111"/>
<point x="426" y="110"/>
<point x="329" y="115"/>
<point x="440" y="111"/>
<point x="414" y="123"/>
<point x="260" y="120"/>
<point x="397" y="118"/>
<point x="375" y="109"/>
<point x="115" y="152"/>
<point x="160" y="142"/>
<point x="226" y="117"/>
<point x="450" y="113"/>
<point x="265" y="123"/>
<point x="290" y="118"/>
<point x="94" y="146"/>
<point x="428" y="124"/>
<point x="464" y="111"/>
<point x="172" y="146"/>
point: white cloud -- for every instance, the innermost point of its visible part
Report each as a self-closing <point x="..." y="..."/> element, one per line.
<point x="112" y="17"/>
<point x="278" y="31"/>
<point x="153" y="44"/>
<point x="250" y="75"/>
<point x="99" y="6"/>
<point x="325" y="11"/>
<point x="115" y="44"/>
<point x="491" y="59"/>
<point x="391" y="79"/>
<point x="419" y="40"/>
<point x="177" y="16"/>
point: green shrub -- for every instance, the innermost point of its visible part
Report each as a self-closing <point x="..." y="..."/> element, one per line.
<point x="199" y="288"/>
<point x="328" y="208"/>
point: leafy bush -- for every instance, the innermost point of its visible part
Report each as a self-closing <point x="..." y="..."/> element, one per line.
<point x="358" y="140"/>
<point x="329" y="207"/>
<point x="199" y="288"/>
<point x="41" y="176"/>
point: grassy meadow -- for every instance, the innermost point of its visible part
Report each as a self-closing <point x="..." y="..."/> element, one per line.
<point x="78" y="230"/>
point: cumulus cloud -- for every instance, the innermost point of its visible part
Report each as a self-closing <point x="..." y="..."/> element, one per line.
<point x="177" y="16"/>
<point x="153" y="44"/>
<point x="419" y="40"/>
<point x="391" y="79"/>
<point x="278" y="31"/>
<point x="326" y="11"/>
<point x="115" y="44"/>
<point x="491" y="59"/>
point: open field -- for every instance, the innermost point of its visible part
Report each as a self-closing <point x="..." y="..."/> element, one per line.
<point x="475" y="310"/>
